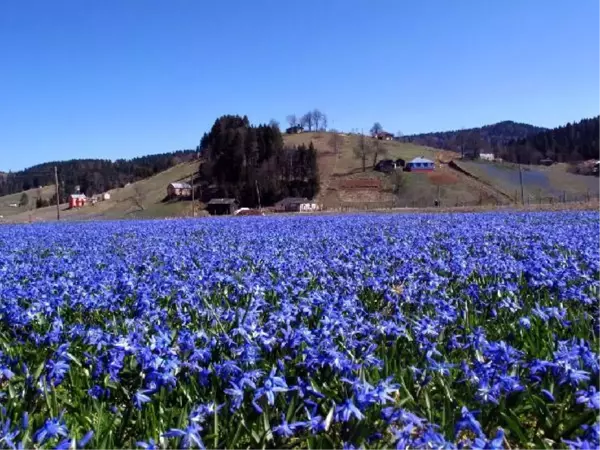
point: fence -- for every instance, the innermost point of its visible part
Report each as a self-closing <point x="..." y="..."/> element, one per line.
<point x="443" y="203"/>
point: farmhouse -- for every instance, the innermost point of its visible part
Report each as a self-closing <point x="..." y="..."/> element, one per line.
<point x="295" y="129"/>
<point x="221" y="206"/>
<point x="384" y="136"/>
<point x="486" y="156"/>
<point x="295" y="204"/>
<point x="420" y="164"/>
<point x="77" y="200"/>
<point x="179" y="190"/>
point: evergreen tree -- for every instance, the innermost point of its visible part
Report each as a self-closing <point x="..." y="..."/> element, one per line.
<point x="243" y="161"/>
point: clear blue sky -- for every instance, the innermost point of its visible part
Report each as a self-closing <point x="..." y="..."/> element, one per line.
<point x="123" y="78"/>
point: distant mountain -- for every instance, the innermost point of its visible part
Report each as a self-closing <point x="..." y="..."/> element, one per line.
<point x="93" y="176"/>
<point x="485" y="138"/>
<point x="569" y="143"/>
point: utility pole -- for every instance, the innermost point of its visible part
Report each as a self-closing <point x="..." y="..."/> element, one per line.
<point x="192" y="184"/>
<point x="521" y="181"/>
<point x="57" y="195"/>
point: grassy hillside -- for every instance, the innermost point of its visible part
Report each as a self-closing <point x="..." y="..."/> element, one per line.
<point x="539" y="182"/>
<point x="6" y="210"/>
<point x="490" y="184"/>
<point x="124" y="203"/>
<point x="415" y="189"/>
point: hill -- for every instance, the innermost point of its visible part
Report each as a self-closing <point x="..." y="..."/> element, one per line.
<point x="13" y="204"/>
<point x="488" y="137"/>
<point x="93" y="176"/>
<point x="342" y="183"/>
<point x="141" y="199"/>
<point x="569" y="143"/>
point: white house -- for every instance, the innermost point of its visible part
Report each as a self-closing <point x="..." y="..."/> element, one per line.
<point x="486" y="156"/>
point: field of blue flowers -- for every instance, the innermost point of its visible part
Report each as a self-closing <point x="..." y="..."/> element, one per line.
<point x="373" y="331"/>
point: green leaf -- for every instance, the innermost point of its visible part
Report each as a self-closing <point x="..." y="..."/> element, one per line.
<point x="514" y="427"/>
<point x="329" y="418"/>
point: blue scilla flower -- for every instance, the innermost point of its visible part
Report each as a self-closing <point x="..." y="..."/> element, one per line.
<point x="52" y="428"/>
<point x="190" y="437"/>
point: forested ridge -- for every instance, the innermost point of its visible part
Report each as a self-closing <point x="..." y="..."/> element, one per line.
<point x="252" y="164"/>
<point x="569" y="143"/>
<point x="93" y="176"/>
<point x="487" y="137"/>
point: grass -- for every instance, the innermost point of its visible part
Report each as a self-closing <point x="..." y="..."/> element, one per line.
<point x="122" y="203"/>
<point x="451" y="188"/>
<point x="6" y="210"/>
<point x="418" y="189"/>
<point x="539" y="183"/>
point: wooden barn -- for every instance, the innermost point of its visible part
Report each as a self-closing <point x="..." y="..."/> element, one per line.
<point x="221" y="206"/>
<point x="385" y="166"/>
<point x="179" y="190"/>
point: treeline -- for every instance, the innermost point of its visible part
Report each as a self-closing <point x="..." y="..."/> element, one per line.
<point x="93" y="176"/>
<point x="488" y="138"/>
<point x="570" y="143"/>
<point x="244" y="162"/>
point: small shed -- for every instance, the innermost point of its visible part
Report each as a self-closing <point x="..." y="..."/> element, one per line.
<point x="290" y="204"/>
<point x="221" y="206"/>
<point x="420" y="164"/>
<point x="486" y="156"/>
<point x="77" y="200"/>
<point x="179" y="190"/>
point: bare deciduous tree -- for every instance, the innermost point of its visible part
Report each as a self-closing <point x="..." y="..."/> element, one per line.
<point x="336" y="141"/>
<point x="307" y="121"/>
<point x="399" y="134"/>
<point x="398" y="180"/>
<point x="378" y="149"/>
<point x="324" y="122"/>
<point x="292" y="120"/>
<point x="317" y="117"/>
<point x="138" y="196"/>
<point x="362" y="150"/>
<point x="376" y="129"/>
<point x="273" y="123"/>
